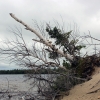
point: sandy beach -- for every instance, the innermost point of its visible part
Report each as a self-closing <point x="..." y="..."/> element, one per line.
<point x="89" y="90"/>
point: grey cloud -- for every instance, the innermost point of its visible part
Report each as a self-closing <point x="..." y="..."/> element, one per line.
<point x="91" y="7"/>
<point x="85" y="13"/>
<point x="8" y="67"/>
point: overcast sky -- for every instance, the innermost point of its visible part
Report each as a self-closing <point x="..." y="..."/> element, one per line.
<point x="84" y="13"/>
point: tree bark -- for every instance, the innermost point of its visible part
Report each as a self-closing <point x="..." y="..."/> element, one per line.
<point x="27" y="27"/>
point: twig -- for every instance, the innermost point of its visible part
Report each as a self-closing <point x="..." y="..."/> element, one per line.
<point x="94" y="91"/>
<point x="95" y="84"/>
<point x="70" y="57"/>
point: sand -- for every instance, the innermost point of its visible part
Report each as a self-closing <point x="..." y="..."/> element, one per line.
<point x="83" y="91"/>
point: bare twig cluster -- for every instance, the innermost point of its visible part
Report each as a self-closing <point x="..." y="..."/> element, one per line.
<point x="60" y="76"/>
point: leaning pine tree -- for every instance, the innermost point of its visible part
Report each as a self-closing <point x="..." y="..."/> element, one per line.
<point x="61" y="59"/>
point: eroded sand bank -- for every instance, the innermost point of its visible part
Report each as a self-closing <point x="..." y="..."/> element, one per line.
<point x="87" y="91"/>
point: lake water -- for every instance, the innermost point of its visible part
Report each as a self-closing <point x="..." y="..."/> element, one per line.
<point x="13" y="84"/>
<point x="15" y="81"/>
<point x="16" y="86"/>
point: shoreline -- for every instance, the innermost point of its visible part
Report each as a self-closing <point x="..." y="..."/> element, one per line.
<point x="89" y="90"/>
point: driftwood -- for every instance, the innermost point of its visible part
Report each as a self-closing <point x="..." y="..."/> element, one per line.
<point x="95" y="84"/>
<point x="94" y="91"/>
<point x="93" y="87"/>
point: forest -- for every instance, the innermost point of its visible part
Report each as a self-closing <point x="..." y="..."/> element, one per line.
<point x="14" y="71"/>
<point x="29" y="71"/>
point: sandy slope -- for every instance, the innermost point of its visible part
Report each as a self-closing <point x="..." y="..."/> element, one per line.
<point x="80" y="91"/>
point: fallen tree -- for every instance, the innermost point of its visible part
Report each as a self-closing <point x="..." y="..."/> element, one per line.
<point x="63" y="56"/>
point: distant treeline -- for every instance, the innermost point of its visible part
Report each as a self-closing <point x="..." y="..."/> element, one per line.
<point x="15" y="71"/>
<point x="26" y="71"/>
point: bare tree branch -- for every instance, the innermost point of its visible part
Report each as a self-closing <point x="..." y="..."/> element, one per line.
<point x="70" y="57"/>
